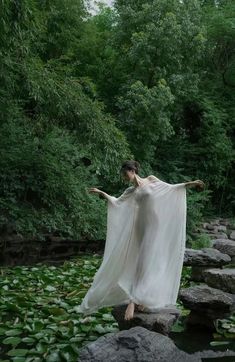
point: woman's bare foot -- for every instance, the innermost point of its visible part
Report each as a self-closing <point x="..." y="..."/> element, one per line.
<point x="140" y="307"/>
<point x="129" y="313"/>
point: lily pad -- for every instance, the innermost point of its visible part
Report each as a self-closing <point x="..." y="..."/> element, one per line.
<point x="218" y="343"/>
<point x="14" y="341"/>
<point x="17" y="352"/>
<point x="13" y="332"/>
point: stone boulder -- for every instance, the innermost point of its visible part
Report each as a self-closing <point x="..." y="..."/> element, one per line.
<point x="207" y="226"/>
<point x="218" y="227"/>
<point x="226" y="246"/>
<point x="223" y="279"/>
<point x="219" y="235"/>
<point x="205" y="257"/>
<point x="161" y="320"/>
<point x="134" y="345"/>
<point x="201" y="260"/>
<point x="222" y="228"/>
<point x="225" y="222"/>
<point x="206" y="304"/>
<point x="232" y="235"/>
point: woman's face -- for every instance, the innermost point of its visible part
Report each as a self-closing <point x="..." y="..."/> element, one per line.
<point x="129" y="175"/>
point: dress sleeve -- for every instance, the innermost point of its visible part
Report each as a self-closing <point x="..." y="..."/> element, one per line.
<point x="153" y="178"/>
<point x="117" y="200"/>
<point x="178" y="185"/>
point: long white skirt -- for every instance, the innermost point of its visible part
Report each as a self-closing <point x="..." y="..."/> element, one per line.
<point x="144" y="250"/>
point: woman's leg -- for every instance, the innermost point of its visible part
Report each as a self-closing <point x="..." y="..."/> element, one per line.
<point x="129" y="313"/>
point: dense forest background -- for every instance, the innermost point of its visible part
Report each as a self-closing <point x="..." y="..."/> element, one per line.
<point x="152" y="81"/>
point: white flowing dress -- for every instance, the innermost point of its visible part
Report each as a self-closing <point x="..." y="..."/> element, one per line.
<point x="144" y="249"/>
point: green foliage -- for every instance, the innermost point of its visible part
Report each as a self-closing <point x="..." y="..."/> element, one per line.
<point x="186" y="277"/>
<point x="57" y="140"/>
<point x="149" y="80"/>
<point x="140" y="106"/>
<point x="180" y="42"/>
<point x="202" y="241"/>
<point x="211" y="147"/>
<point x="39" y="318"/>
<point x="44" y="183"/>
<point x="225" y="329"/>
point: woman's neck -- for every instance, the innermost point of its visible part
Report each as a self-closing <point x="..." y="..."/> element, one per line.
<point x="138" y="180"/>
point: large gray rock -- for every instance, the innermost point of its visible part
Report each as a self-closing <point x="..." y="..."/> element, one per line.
<point x="161" y="320"/>
<point x="221" y="278"/>
<point x="214" y="227"/>
<point x="134" y="345"/>
<point x="226" y="246"/>
<point x="204" y="298"/>
<point x="232" y="235"/>
<point x="206" y="304"/>
<point x="222" y="228"/>
<point x="205" y="257"/>
<point x="215" y="222"/>
<point x="208" y="226"/>
<point x="210" y="355"/>
<point x="197" y="273"/>
<point x="219" y="235"/>
<point x="225" y="222"/>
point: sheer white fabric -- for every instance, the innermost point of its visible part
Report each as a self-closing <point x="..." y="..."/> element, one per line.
<point x="144" y="250"/>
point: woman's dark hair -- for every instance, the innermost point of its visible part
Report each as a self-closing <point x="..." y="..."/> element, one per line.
<point x="130" y="165"/>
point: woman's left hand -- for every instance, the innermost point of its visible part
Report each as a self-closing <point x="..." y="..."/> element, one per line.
<point x="199" y="184"/>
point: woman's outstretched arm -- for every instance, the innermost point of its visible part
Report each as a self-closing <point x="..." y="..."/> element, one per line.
<point x="195" y="183"/>
<point x="101" y="193"/>
<point x="114" y="200"/>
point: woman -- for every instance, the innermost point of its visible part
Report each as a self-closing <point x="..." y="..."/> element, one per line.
<point x="145" y="244"/>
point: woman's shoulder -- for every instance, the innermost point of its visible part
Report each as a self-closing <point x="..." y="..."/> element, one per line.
<point x="129" y="189"/>
<point x="152" y="178"/>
